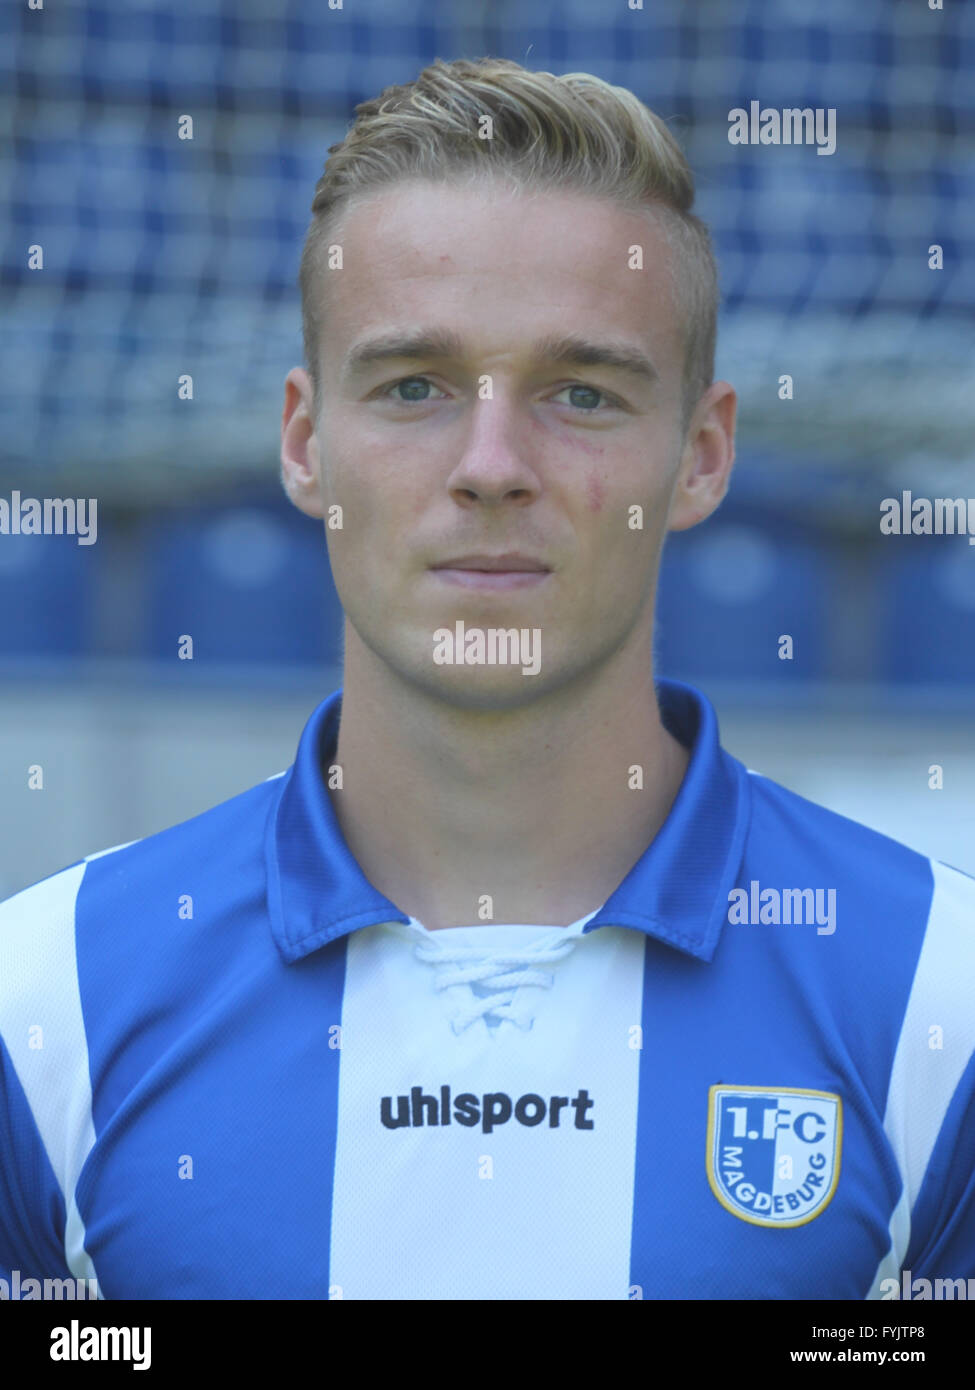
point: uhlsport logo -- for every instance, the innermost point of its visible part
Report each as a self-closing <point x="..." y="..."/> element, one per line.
<point x="774" y="1155"/>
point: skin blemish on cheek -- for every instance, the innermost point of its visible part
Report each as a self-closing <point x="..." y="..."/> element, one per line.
<point x="595" y="492"/>
<point x="595" y="487"/>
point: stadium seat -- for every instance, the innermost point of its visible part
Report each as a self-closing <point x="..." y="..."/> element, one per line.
<point x="729" y="589"/>
<point x="47" y="584"/>
<point x="927" y="619"/>
<point x="251" y="584"/>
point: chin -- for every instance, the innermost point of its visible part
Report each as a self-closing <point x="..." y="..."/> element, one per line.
<point x="479" y="688"/>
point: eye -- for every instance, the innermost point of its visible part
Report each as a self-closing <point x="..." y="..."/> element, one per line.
<point x="417" y="388"/>
<point x="583" y="397"/>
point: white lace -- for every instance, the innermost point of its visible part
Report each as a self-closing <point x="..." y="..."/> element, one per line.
<point x="501" y="973"/>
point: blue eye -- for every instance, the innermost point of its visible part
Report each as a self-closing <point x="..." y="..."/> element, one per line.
<point x="585" y="391"/>
<point x="411" y="383"/>
<point x="416" y="390"/>
<point x="590" y="398"/>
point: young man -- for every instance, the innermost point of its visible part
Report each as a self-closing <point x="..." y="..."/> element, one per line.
<point x="509" y="988"/>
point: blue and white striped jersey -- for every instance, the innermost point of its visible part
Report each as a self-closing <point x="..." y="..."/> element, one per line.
<point x="231" y="1068"/>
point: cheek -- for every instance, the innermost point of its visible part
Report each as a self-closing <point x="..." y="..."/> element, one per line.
<point x="383" y="486"/>
<point x="595" y="492"/>
<point x="595" y="489"/>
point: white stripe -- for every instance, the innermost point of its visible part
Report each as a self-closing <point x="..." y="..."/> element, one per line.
<point x="924" y="1079"/>
<point x="39" y="988"/>
<point x="518" y="1213"/>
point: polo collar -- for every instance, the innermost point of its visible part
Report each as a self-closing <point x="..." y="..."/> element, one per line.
<point x="677" y="891"/>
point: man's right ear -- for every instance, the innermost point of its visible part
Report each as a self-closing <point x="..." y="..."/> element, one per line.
<point x="300" y="459"/>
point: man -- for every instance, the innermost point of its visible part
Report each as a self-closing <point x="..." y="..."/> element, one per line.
<point x="508" y="987"/>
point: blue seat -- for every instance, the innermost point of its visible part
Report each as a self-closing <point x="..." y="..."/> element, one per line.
<point x="927" y="619"/>
<point x="47" y="586"/>
<point x="250" y="584"/>
<point x="729" y="588"/>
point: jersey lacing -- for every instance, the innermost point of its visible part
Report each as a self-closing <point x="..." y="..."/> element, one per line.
<point x="494" y="979"/>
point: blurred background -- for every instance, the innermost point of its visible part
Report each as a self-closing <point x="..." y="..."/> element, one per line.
<point x="165" y="257"/>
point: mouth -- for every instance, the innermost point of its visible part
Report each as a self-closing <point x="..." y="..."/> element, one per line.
<point x="510" y="571"/>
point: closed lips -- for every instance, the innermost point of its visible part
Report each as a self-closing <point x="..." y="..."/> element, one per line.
<point x="496" y="563"/>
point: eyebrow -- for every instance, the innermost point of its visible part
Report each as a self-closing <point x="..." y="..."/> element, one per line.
<point x="569" y="350"/>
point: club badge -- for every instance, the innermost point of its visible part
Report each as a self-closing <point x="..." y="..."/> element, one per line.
<point x="773" y="1156"/>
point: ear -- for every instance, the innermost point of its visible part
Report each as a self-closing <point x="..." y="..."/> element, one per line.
<point x="706" y="461"/>
<point x="300" y="455"/>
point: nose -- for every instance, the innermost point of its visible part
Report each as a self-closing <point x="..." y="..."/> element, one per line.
<point x="494" y="465"/>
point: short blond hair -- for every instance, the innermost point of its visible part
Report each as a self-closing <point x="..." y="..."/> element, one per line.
<point x="574" y="132"/>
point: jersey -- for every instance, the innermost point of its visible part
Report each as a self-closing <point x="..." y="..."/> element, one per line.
<point x="232" y="1068"/>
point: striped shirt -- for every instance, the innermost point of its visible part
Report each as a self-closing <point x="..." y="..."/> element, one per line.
<point x="231" y="1068"/>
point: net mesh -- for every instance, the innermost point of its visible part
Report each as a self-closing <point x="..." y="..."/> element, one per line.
<point x="166" y="257"/>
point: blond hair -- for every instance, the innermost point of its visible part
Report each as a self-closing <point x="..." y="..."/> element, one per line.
<point x="574" y="132"/>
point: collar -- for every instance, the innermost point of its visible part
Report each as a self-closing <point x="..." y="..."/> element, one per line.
<point x="677" y="891"/>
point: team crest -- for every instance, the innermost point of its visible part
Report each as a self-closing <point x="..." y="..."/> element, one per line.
<point x="774" y="1155"/>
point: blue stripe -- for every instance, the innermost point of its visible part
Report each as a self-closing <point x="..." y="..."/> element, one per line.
<point x="32" y="1214"/>
<point x="209" y="1056"/>
<point x="779" y="1006"/>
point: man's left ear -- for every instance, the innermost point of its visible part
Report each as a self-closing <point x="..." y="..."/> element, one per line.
<point x="707" y="458"/>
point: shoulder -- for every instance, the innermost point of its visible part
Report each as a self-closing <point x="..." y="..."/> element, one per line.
<point x="221" y="847"/>
<point x="790" y="829"/>
<point x="897" y="913"/>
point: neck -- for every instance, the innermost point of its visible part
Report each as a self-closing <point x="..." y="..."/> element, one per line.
<point x="462" y="816"/>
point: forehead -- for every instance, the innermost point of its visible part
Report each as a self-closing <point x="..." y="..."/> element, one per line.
<point x="500" y="268"/>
